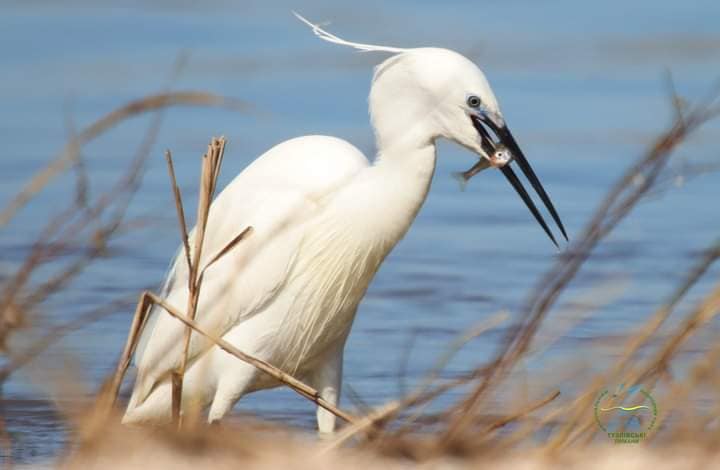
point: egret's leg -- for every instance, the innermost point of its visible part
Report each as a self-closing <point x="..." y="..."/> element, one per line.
<point x="327" y="380"/>
<point x="237" y="377"/>
<point x="198" y="390"/>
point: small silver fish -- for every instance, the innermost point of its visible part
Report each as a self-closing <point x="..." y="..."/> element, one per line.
<point x="499" y="158"/>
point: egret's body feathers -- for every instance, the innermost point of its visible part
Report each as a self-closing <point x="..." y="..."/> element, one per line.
<point x="323" y="221"/>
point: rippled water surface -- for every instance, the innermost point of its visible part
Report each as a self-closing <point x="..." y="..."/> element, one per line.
<point x="581" y="85"/>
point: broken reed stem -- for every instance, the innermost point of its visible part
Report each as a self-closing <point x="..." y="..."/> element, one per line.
<point x="208" y="180"/>
<point x="179" y="207"/>
<point x="109" y="391"/>
<point x="225" y="250"/>
<point x="177" y="376"/>
<point x="211" y="167"/>
<point x="287" y="379"/>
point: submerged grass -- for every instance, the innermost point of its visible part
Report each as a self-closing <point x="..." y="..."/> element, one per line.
<point x="537" y="427"/>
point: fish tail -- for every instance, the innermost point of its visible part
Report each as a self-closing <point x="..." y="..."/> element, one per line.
<point x="461" y="179"/>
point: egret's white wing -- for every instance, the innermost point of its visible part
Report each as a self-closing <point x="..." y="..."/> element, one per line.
<point x="277" y="194"/>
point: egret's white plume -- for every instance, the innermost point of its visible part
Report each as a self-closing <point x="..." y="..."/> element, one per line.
<point x="329" y="37"/>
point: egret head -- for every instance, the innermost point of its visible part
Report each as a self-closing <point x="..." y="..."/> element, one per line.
<point x="421" y="94"/>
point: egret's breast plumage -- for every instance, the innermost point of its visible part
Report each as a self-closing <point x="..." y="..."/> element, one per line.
<point x="283" y="194"/>
<point x="334" y="267"/>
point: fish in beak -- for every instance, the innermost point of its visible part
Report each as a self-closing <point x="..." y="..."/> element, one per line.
<point x="486" y="122"/>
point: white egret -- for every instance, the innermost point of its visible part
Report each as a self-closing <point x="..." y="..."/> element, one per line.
<point x="324" y="219"/>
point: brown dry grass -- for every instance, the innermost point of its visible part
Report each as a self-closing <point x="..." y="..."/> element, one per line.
<point x="537" y="428"/>
<point x="254" y="445"/>
<point x="88" y="223"/>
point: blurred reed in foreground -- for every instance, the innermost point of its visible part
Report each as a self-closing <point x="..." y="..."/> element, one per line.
<point x="76" y="236"/>
<point x="537" y="428"/>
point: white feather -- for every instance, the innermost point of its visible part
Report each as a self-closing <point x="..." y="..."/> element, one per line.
<point x="329" y="37"/>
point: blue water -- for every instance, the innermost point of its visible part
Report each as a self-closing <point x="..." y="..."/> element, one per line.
<point x="581" y="85"/>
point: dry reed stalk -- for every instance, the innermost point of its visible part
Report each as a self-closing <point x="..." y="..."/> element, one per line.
<point x="108" y="395"/>
<point x="707" y="309"/>
<point x="585" y="300"/>
<point x="81" y="216"/>
<point x="587" y="304"/>
<point x="525" y="411"/>
<point x="704" y="370"/>
<point x="179" y="208"/>
<point x="176" y="378"/>
<point x="617" y="206"/>
<point x="661" y="314"/>
<point x="211" y="162"/>
<point x="282" y="377"/>
<point x="423" y="394"/>
<point x="74" y="223"/>
<point x="701" y="315"/>
<point x="364" y="423"/>
<point x="475" y="331"/>
<point x="53" y="335"/>
<point x="66" y="226"/>
<point x="371" y="424"/>
<point x="64" y="229"/>
<point x="82" y="181"/>
<point x="134" y="108"/>
<point x="619" y="202"/>
<point x="579" y="420"/>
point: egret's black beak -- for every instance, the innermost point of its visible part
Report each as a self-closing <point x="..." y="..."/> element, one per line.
<point x="504" y="137"/>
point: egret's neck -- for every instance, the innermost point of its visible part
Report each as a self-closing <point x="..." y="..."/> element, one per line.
<point x="400" y="181"/>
